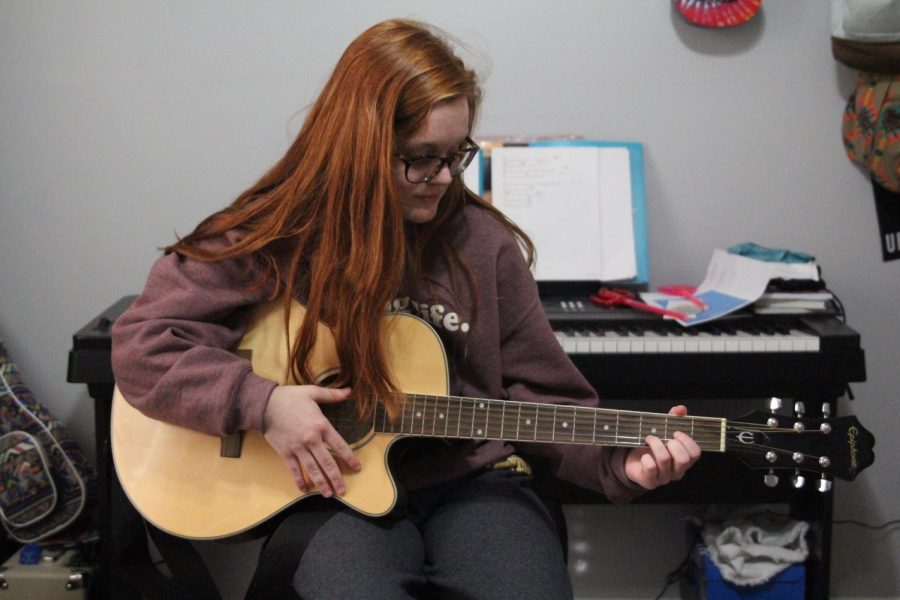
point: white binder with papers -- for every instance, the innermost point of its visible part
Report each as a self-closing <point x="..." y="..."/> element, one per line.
<point x="581" y="203"/>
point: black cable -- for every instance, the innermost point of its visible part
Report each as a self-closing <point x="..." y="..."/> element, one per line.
<point x="842" y="313"/>
<point x="884" y="525"/>
<point x="679" y="571"/>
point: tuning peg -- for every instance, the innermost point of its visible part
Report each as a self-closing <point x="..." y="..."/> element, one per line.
<point x="799" y="480"/>
<point x="825" y="426"/>
<point x="770" y="478"/>
<point x="799" y="411"/>
<point x="775" y="404"/>
<point x="824" y="484"/>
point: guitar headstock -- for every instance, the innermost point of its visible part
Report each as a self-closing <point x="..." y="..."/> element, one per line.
<point x="829" y="446"/>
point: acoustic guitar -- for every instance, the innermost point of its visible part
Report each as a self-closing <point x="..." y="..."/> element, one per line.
<point x="200" y="486"/>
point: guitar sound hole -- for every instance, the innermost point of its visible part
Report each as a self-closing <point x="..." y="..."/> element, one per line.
<point x="342" y="416"/>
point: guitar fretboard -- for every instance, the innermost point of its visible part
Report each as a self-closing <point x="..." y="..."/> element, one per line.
<point x="475" y="418"/>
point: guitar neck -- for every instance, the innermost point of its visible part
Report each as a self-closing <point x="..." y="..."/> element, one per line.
<point x="475" y="418"/>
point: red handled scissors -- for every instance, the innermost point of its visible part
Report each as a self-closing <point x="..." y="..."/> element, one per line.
<point x="685" y="291"/>
<point x="618" y="297"/>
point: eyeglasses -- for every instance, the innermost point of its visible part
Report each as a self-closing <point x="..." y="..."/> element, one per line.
<point x="425" y="168"/>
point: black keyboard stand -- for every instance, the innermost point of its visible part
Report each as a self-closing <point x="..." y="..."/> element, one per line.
<point x="124" y="566"/>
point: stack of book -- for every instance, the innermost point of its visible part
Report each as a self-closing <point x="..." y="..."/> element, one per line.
<point x="795" y="288"/>
<point x="821" y="301"/>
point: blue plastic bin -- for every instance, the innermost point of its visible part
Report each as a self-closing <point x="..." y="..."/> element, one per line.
<point x="707" y="583"/>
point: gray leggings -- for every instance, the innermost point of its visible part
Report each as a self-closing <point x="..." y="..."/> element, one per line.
<point x="489" y="536"/>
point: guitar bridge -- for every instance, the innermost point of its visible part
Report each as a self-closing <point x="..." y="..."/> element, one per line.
<point x="230" y="445"/>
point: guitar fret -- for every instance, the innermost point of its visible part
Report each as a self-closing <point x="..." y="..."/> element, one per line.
<point x="606" y="425"/>
<point x="519" y="421"/>
<point x="425" y="416"/>
<point x="628" y="432"/>
<point x="553" y="425"/>
<point x="403" y="416"/>
<point x="485" y="408"/>
<point x="497" y="408"/>
<point x="580" y="431"/>
<point x="572" y="426"/>
<point x="431" y="411"/>
<point x="617" y="429"/>
<point x="529" y="419"/>
<point x="418" y="419"/>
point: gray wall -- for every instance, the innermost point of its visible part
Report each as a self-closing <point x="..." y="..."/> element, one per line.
<point x="122" y="123"/>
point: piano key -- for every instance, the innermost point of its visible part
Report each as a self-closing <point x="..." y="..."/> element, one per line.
<point x="668" y="339"/>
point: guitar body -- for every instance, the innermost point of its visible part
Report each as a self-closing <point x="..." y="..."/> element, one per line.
<point x="178" y="479"/>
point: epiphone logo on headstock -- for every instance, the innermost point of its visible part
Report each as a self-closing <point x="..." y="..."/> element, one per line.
<point x="852" y="434"/>
<point x="746" y="437"/>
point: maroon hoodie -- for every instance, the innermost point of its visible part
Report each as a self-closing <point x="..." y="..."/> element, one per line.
<point x="173" y="360"/>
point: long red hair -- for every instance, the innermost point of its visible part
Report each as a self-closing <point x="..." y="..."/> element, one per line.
<point x="324" y="222"/>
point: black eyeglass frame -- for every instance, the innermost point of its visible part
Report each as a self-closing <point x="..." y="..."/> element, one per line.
<point x="468" y="153"/>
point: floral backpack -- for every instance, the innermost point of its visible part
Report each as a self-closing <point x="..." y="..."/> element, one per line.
<point x="43" y="474"/>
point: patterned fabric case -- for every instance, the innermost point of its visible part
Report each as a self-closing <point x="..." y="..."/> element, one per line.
<point x="43" y="473"/>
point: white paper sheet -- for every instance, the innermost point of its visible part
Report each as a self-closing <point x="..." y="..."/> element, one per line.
<point x="731" y="282"/>
<point x="574" y="203"/>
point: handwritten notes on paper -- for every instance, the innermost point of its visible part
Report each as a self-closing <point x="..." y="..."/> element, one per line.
<point x="574" y="202"/>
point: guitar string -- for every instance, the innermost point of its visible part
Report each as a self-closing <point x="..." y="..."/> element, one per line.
<point x="707" y="432"/>
<point x="580" y="417"/>
<point x="710" y="438"/>
<point x="576" y="414"/>
<point x="599" y="410"/>
<point x="580" y="431"/>
<point x="756" y="448"/>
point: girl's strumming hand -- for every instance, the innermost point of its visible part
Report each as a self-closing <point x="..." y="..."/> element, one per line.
<point x="296" y="428"/>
